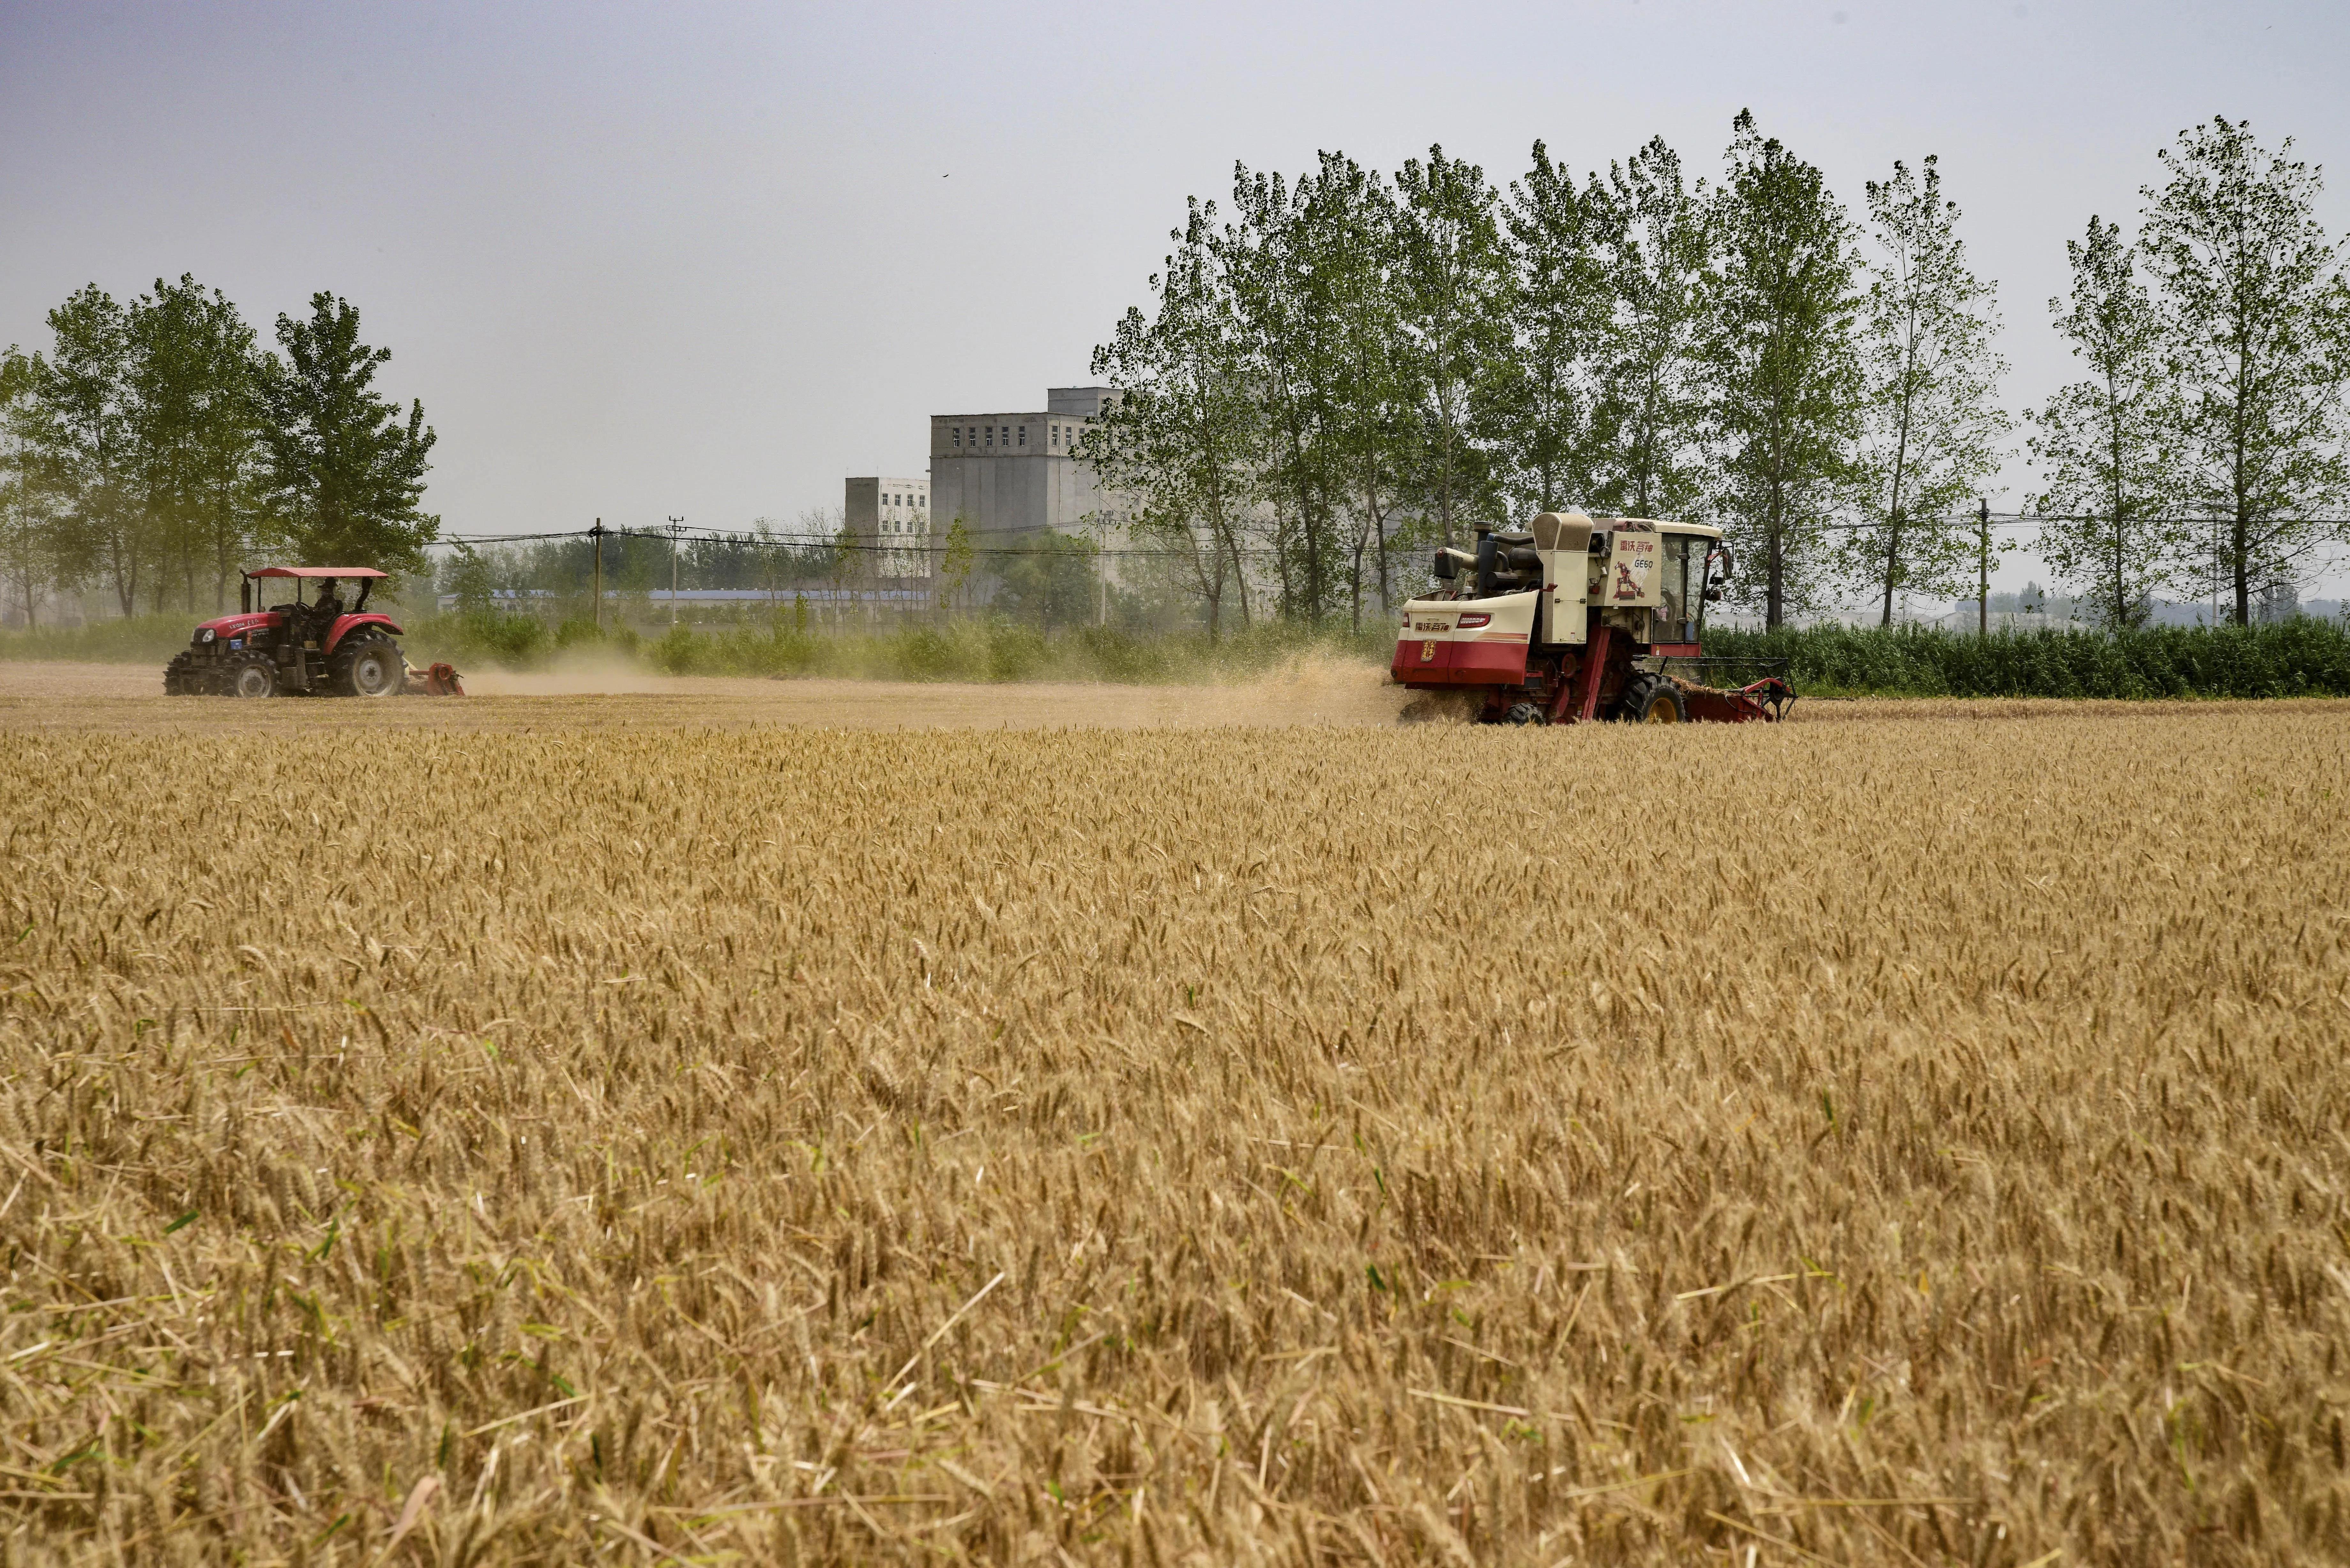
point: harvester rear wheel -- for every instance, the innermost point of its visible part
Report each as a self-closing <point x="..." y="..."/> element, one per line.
<point x="366" y="666"/>
<point x="1652" y="700"/>
<point x="252" y="675"/>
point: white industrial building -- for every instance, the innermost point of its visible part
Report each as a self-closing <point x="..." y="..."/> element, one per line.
<point x="1003" y="476"/>
<point x="1008" y="474"/>
<point x="892" y="516"/>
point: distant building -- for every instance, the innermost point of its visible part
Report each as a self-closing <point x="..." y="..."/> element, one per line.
<point x="1008" y="475"/>
<point x="891" y="517"/>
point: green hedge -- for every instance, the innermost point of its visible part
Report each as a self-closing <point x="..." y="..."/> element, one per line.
<point x="2304" y="658"/>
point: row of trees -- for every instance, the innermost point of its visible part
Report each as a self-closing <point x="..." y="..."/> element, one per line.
<point x="155" y="447"/>
<point x="1346" y="367"/>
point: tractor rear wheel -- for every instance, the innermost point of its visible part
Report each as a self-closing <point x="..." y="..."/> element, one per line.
<point x="1652" y="700"/>
<point x="178" y="676"/>
<point x="366" y="666"/>
<point x="252" y="675"/>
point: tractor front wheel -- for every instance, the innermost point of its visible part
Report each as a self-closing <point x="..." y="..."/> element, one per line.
<point x="178" y="676"/>
<point x="253" y="675"/>
<point x="367" y="667"/>
<point x="1652" y="700"/>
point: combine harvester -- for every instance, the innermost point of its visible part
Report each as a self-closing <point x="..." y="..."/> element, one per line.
<point x="312" y="649"/>
<point x="1577" y="619"/>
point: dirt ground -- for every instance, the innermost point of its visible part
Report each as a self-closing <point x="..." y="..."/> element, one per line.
<point x="58" y="696"/>
<point x="107" y="697"/>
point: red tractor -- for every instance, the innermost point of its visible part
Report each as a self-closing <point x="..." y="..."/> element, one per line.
<point x="321" y="647"/>
<point x="1574" y="619"/>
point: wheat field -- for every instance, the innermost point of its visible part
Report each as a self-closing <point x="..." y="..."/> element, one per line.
<point x="1893" y="1142"/>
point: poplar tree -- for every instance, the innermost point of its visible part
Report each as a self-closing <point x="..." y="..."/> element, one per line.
<point x="1182" y="438"/>
<point x="1654" y="247"/>
<point x="1454" y="287"/>
<point x="1356" y="224"/>
<point x="345" y="472"/>
<point x="32" y="562"/>
<point x="81" y="447"/>
<point x="1295" y="253"/>
<point x="1931" y="427"/>
<point x="1784" y="381"/>
<point x="1542" y="396"/>
<point x="195" y="419"/>
<point x="2257" y="330"/>
<point x="2106" y="445"/>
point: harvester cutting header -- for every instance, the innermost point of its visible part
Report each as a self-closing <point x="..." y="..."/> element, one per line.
<point x="1576" y="618"/>
<point x="316" y="649"/>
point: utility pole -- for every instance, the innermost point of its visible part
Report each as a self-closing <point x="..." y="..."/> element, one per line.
<point x="597" y="533"/>
<point x="674" y="530"/>
<point x="1982" y="542"/>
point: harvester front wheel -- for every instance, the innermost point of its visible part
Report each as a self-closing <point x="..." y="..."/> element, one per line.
<point x="367" y="667"/>
<point x="252" y="675"/>
<point x="1652" y="700"/>
<point x="1522" y="713"/>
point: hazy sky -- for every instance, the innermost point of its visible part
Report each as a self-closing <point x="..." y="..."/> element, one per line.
<point x="709" y="260"/>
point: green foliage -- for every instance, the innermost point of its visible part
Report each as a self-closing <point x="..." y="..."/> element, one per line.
<point x="77" y="451"/>
<point x="1653" y="241"/>
<point x="1050" y="580"/>
<point x="2257" y="336"/>
<point x="2106" y="445"/>
<point x="345" y="472"/>
<point x="1311" y="269"/>
<point x="515" y="641"/>
<point x="1785" y="388"/>
<point x="470" y="577"/>
<point x="1455" y="285"/>
<point x="154" y="450"/>
<point x="1541" y="404"/>
<point x="30" y="561"/>
<point x="2304" y="658"/>
<point x="127" y="639"/>
<point x="1931" y="426"/>
<point x="1184" y="438"/>
<point x="955" y="565"/>
<point x="194" y="381"/>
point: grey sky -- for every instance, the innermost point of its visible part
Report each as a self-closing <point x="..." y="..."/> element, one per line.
<point x="709" y="260"/>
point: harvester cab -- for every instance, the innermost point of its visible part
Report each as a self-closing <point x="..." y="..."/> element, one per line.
<point x="1572" y="618"/>
<point x="319" y="648"/>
